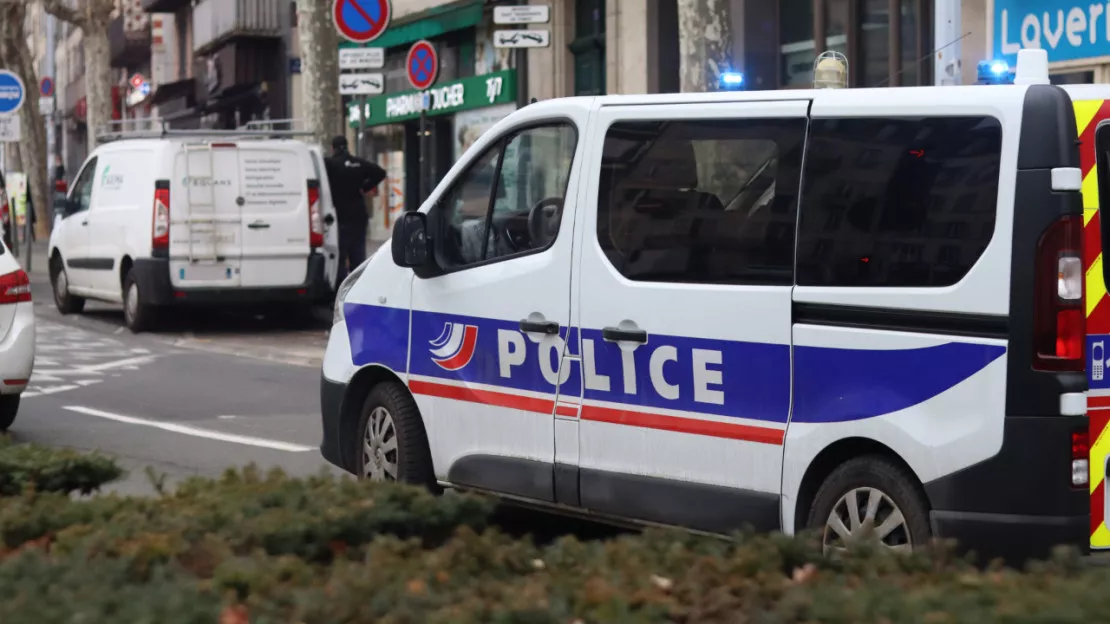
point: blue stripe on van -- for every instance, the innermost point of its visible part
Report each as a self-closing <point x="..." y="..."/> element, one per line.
<point x="830" y="385"/>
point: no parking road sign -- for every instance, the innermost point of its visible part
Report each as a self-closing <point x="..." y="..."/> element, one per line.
<point x="361" y="21"/>
<point x="12" y="93"/>
<point x="422" y="65"/>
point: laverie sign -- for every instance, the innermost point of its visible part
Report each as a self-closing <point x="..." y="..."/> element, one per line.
<point x="1067" y="29"/>
<point x="452" y="97"/>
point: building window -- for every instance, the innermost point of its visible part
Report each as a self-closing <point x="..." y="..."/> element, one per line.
<point x="922" y="217"/>
<point x="588" y="47"/>
<point x="886" y="42"/>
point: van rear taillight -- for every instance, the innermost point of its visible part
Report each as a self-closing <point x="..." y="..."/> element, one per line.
<point x="160" y="227"/>
<point x="1059" y="320"/>
<point x="1080" y="454"/>
<point x="315" y="216"/>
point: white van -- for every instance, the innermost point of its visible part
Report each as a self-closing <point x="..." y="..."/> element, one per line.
<point x="194" y="217"/>
<point x="858" y="311"/>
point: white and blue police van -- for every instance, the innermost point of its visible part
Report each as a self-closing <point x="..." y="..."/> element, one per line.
<point x="848" y="310"/>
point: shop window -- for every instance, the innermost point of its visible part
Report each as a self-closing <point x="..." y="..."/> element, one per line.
<point x="796" y="43"/>
<point x="588" y="47"/>
<point x="874" y="43"/>
<point x="710" y="202"/>
<point x="923" y="217"/>
<point x="509" y="201"/>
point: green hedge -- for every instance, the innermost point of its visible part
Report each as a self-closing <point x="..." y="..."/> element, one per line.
<point x="25" y="466"/>
<point x="266" y="548"/>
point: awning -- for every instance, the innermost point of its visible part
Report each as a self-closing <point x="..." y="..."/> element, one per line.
<point x="428" y="24"/>
<point x="173" y="90"/>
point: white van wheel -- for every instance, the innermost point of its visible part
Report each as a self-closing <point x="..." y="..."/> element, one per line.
<point x="392" y="444"/>
<point x="65" y="302"/>
<point x="136" y="314"/>
<point x="870" y="499"/>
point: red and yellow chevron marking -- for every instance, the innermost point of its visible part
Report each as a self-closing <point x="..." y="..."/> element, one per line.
<point x="1088" y="114"/>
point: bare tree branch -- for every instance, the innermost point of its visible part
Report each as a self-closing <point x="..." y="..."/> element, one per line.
<point x="64" y="13"/>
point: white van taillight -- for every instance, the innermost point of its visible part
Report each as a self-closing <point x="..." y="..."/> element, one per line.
<point x="160" y="228"/>
<point x="1059" y="320"/>
<point x="315" y="216"/>
<point x="15" y="288"/>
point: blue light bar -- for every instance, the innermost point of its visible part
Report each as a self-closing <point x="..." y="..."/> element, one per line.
<point x="731" y="81"/>
<point x="994" y="72"/>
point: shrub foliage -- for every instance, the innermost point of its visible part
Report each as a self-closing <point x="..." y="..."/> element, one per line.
<point x="265" y="548"/>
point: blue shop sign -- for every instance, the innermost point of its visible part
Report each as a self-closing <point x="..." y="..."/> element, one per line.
<point x="1067" y="29"/>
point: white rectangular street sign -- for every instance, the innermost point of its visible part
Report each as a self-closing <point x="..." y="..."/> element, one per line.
<point x="361" y="84"/>
<point x="46" y="105"/>
<point x="361" y="58"/>
<point x="521" y="39"/>
<point x="10" y="130"/>
<point x="522" y="14"/>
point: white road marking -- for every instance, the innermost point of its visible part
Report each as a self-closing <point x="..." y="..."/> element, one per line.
<point x="197" y="432"/>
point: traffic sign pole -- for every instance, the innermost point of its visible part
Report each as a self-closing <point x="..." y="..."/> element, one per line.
<point x="422" y="67"/>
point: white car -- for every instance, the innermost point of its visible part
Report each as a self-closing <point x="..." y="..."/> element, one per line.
<point x="17" y="335"/>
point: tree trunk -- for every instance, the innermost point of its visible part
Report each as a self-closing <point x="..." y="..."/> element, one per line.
<point x="705" y="43"/>
<point x="320" y="70"/>
<point x="92" y="18"/>
<point x="98" y="75"/>
<point x="16" y="56"/>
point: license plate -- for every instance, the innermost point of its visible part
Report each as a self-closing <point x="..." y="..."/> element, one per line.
<point x="206" y="272"/>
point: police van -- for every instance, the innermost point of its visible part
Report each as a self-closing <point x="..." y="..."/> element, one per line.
<point x="166" y="217"/>
<point x="859" y="311"/>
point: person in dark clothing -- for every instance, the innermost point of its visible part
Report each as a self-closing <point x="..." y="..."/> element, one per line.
<point x="351" y="178"/>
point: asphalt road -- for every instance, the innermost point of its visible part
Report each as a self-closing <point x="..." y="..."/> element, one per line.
<point x="208" y="392"/>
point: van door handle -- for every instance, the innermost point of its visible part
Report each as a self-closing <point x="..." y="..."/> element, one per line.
<point x="616" y="334"/>
<point x="539" y="327"/>
<point x="258" y="225"/>
<point x="85" y="222"/>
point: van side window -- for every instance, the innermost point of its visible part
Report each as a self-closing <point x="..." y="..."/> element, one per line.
<point x="897" y="202"/>
<point x="83" y="187"/>
<point x="707" y="201"/>
<point x="510" y="200"/>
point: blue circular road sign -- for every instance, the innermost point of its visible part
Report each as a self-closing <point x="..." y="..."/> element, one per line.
<point x="12" y="92"/>
<point x="422" y="65"/>
<point x="361" y="21"/>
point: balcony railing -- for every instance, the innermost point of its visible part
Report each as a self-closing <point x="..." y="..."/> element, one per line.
<point x="218" y="21"/>
<point x="127" y="48"/>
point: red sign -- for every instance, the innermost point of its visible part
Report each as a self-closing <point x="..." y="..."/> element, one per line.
<point x="46" y="87"/>
<point x="422" y="65"/>
<point x="137" y="81"/>
<point x="361" y="21"/>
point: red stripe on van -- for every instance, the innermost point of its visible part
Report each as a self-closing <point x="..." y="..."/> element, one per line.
<point x="1096" y="402"/>
<point x="485" y="397"/>
<point x="677" y="424"/>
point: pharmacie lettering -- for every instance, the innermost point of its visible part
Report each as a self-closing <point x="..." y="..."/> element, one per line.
<point x="662" y="363"/>
<point x="436" y="99"/>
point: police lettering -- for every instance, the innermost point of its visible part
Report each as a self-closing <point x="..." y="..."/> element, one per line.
<point x="705" y="365"/>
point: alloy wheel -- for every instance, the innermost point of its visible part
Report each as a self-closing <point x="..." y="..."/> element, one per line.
<point x="379" y="446"/>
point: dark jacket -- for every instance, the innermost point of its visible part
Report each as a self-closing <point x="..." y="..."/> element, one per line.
<point x="349" y="177"/>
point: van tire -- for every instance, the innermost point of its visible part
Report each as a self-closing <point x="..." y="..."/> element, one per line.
<point x="404" y="431"/>
<point x="64" y="301"/>
<point x="9" y="405"/>
<point x="898" y="492"/>
<point x="138" y="316"/>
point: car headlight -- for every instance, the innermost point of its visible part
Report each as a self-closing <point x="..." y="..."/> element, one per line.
<point x="345" y="287"/>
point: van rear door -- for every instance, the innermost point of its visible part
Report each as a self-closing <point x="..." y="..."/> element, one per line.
<point x="205" y="216"/>
<point x="1093" y="119"/>
<point x="275" y="227"/>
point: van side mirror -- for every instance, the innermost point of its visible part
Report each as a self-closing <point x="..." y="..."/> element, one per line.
<point x="411" y="245"/>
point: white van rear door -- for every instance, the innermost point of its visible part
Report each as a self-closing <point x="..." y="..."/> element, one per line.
<point x="331" y="224"/>
<point x="275" y="223"/>
<point x="205" y="216"/>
